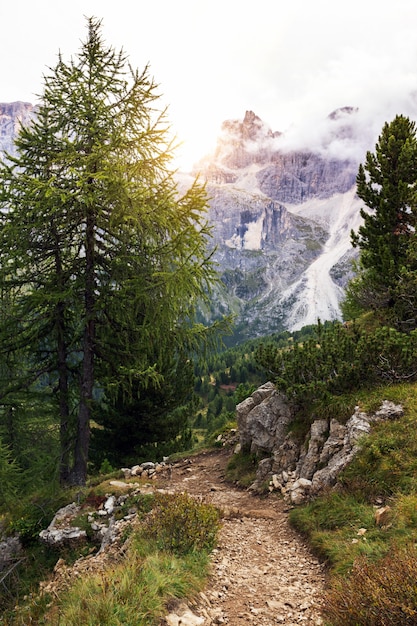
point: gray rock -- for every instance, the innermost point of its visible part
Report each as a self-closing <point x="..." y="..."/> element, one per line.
<point x="59" y="536"/>
<point x="10" y="549"/>
<point x="109" y="505"/>
<point x="242" y="411"/>
<point x="334" y="442"/>
<point x="300" y="490"/>
<point x="263" y="392"/>
<point x="120" y="484"/>
<point x="262" y="474"/>
<point x="287" y="455"/>
<point x="318" y="435"/>
<point x="147" y="466"/>
<point x="184" y="617"/>
<point x="300" y="469"/>
<point x="267" y="423"/>
<point x="389" y="410"/>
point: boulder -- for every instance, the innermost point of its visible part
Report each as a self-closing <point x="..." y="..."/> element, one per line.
<point x="59" y="536"/>
<point x="147" y="466"/>
<point x="266" y="424"/>
<point x="244" y="408"/>
<point x="184" y="617"/>
<point x="60" y="530"/>
<point x="300" y="491"/>
<point x="10" y="550"/>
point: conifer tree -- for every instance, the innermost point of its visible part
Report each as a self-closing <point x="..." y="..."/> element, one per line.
<point x="387" y="184"/>
<point x="104" y="258"/>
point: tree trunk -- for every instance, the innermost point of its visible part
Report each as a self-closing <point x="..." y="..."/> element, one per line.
<point x="79" y="471"/>
<point x="63" y="398"/>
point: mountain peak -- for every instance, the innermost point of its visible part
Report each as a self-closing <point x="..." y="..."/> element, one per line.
<point x="251" y="128"/>
<point x="342" y="112"/>
<point x="12" y="109"/>
<point x="241" y="143"/>
<point x="249" y="155"/>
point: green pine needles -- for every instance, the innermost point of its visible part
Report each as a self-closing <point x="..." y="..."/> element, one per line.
<point x="340" y="358"/>
<point x="102" y="260"/>
<point x="386" y="182"/>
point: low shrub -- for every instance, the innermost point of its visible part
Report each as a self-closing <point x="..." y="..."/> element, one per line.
<point x="380" y="593"/>
<point x="181" y="525"/>
<point x="387" y="463"/>
<point x="33" y="514"/>
<point x="339" y="359"/>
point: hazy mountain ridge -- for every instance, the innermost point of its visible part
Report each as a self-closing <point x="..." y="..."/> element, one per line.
<point x="282" y="220"/>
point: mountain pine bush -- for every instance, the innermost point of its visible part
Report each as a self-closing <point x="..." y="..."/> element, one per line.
<point x="339" y="358"/>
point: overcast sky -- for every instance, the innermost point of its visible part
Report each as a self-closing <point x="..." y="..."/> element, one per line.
<point x="292" y="62"/>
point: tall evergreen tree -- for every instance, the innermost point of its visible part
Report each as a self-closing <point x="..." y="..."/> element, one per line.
<point x="104" y="258"/>
<point x="387" y="185"/>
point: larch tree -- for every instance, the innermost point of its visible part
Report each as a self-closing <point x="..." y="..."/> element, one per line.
<point x="101" y="257"/>
<point x="386" y="182"/>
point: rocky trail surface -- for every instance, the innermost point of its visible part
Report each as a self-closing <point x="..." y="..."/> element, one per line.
<point x="262" y="572"/>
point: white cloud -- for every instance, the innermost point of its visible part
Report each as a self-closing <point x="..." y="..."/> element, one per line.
<point x="290" y="62"/>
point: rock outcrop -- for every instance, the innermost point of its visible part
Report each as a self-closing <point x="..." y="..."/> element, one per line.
<point x="300" y="469"/>
<point x="101" y="519"/>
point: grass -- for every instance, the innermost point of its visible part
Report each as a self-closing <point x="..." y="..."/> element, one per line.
<point x="376" y="594"/>
<point x="26" y="518"/>
<point x="372" y="568"/>
<point x="242" y="468"/>
<point x="133" y="593"/>
<point x="166" y="557"/>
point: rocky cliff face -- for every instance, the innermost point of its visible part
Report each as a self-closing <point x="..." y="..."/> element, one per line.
<point x="12" y="115"/>
<point x="249" y="154"/>
<point x="282" y="220"/>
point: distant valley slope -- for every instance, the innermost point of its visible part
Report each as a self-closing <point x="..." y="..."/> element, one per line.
<point x="281" y="219"/>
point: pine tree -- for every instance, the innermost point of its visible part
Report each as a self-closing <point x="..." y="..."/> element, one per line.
<point x="103" y="256"/>
<point x="387" y="184"/>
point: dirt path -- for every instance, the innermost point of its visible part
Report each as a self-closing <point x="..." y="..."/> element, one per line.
<point x="262" y="573"/>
